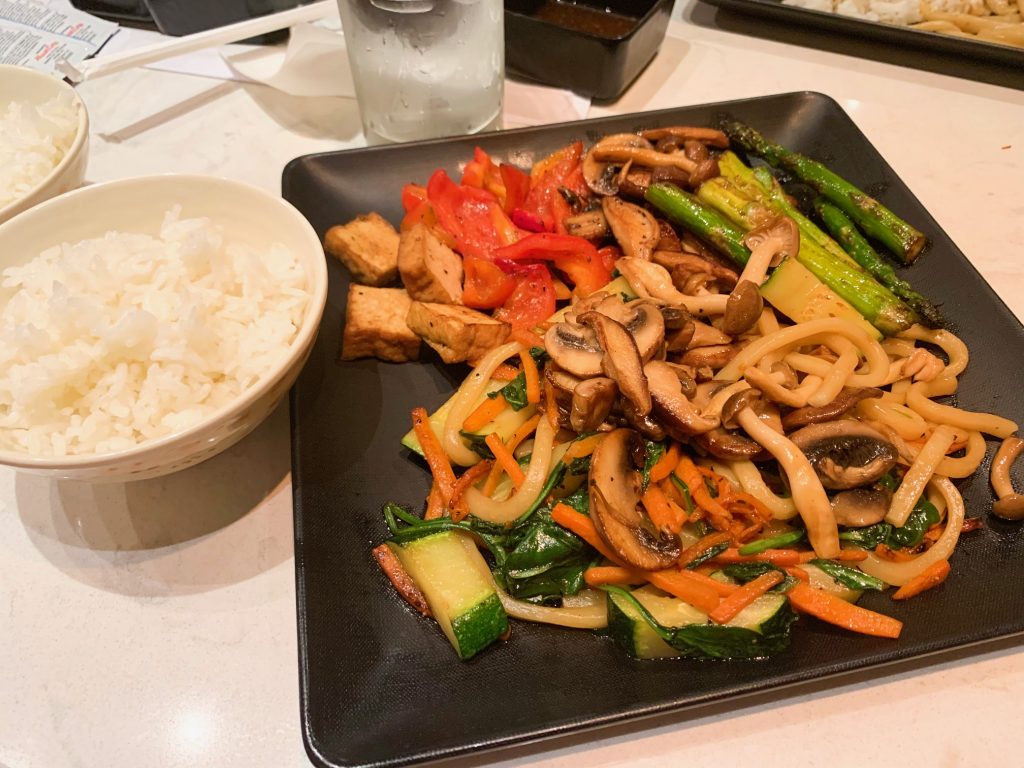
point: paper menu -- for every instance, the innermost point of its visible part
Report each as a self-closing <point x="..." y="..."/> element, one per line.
<point x="38" y="35"/>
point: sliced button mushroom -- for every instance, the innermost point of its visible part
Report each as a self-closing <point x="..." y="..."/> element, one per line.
<point x="860" y="507"/>
<point x="601" y="175"/>
<point x="684" y="133"/>
<point x="614" y="489"/>
<point x="714" y="357"/>
<point x="705" y="335"/>
<point x="647" y="325"/>
<point x="647" y="425"/>
<point x="672" y="409"/>
<point x="592" y="401"/>
<point x="743" y="309"/>
<point x="729" y="446"/>
<point x="621" y="360"/>
<point x="769" y="244"/>
<point x="844" y="401"/>
<point x="575" y="349"/>
<point x="635" y="228"/>
<point x="845" y="453"/>
<point x="590" y="225"/>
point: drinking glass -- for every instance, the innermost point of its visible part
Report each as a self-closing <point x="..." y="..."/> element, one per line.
<point x="425" y="68"/>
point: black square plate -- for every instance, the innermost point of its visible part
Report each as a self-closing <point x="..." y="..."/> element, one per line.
<point x="381" y="686"/>
<point x="956" y="49"/>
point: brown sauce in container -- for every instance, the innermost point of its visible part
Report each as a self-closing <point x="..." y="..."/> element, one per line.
<point x="582" y="18"/>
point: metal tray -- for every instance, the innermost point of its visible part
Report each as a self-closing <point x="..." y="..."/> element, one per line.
<point x="956" y="48"/>
<point x="380" y="686"/>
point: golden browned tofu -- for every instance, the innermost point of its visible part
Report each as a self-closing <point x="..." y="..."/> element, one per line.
<point x="430" y="270"/>
<point x="457" y="333"/>
<point x="375" y="325"/>
<point x="368" y="246"/>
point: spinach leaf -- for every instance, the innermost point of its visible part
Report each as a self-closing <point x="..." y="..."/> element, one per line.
<point x="580" y="466"/>
<point x="853" y="578"/>
<point x="868" y="537"/>
<point x="578" y="500"/>
<point x="924" y="516"/>
<point x="515" y="391"/>
<point x="543" y="545"/>
<point x="477" y="444"/>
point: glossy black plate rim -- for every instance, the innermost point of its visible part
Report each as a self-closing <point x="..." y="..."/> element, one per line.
<point x="888" y="33"/>
<point x="922" y="654"/>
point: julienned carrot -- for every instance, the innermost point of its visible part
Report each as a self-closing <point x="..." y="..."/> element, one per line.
<point x="437" y="459"/>
<point x="780" y="557"/>
<point x="661" y="511"/>
<point x="459" y="508"/>
<point x="683" y="585"/>
<point x="484" y="413"/>
<point x="611" y="574"/>
<point x="687" y="471"/>
<point x="581" y="448"/>
<point x="701" y="546"/>
<point x="532" y="376"/>
<point x="504" y="457"/>
<point x="402" y="582"/>
<point x="851" y="555"/>
<point x="524" y="431"/>
<point x="798" y="573"/>
<point x="931" y="576"/>
<point x="550" y="406"/>
<point x="582" y="526"/>
<point x="744" y="596"/>
<point x="664" y="466"/>
<point x="435" y="504"/>
<point x="762" y="511"/>
<point x="527" y="338"/>
<point x="505" y="372"/>
<point x="721" y="587"/>
<point x="837" y="611"/>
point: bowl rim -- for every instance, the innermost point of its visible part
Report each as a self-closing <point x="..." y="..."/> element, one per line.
<point x="302" y="342"/>
<point x="81" y="137"/>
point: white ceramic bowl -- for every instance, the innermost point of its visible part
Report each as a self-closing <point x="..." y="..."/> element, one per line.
<point x="26" y="86"/>
<point x="249" y="217"/>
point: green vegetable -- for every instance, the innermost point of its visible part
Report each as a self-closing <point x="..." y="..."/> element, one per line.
<point x="746" y="208"/>
<point x="515" y="391"/>
<point x="854" y="578"/>
<point x="652" y="455"/>
<point x="759" y="630"/>
<point x="847" y="234"/>
<point x="709" y="225"/>
<point x="452" y="575"/>
<point x="773" y="542"/>
<point x="877" y="221"/>
<point x="924" y="516"/>
<point x="708" y="554"/>
<point x="744" y="572"/>
<point x="868" y="537"/>
<point x="685" y="491"/>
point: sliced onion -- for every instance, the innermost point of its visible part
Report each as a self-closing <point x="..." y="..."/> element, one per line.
<point x="588" y="611"/>
<point x="899" y="574"/>
<point x="508" y="510"/>
<point x="465" y="401"/>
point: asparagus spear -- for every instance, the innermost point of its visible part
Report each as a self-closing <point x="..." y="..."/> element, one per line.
<point x="865" y="294"/>
<point x="875" y="303"/>
<point x="706" y="223"/>
<point x="843" y="230"/>
<point x="877" y="221"/>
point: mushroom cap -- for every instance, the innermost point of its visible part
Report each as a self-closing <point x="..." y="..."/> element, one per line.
<point x="845" y="453"/>
<point x="592" y="401"/>
<point x="844" y="401"/>
<point x="743" y="309"/>
<point x="614" y="488"/>
<point x="634" y="227"/>
<point x="730" y="446"/>
<point x="859" y="507"/>
<point x="574" y="348"/>
<point x="621" y="360"/>
<point x="601" y="176"/>
<point x="781" y="231"/>
<point x="748" y="398"/>
<point x="671" y="408"/>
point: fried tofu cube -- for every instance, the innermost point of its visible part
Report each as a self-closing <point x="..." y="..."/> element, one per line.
<point x="368" y="246"/>
<point x="457" y="333"/>
<point x="375" y="325"/>
<point x="430" y="270"/>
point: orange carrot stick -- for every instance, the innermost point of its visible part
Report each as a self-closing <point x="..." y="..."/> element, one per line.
<point x="504" y="457"/>
<point x="611" y="574"/>
<point x="458" y="505"/>
<point x="440" y="466"/>
<point x="532" y="377"/>
<point x="851" y="555"/>
<point x="721" y="587"/>
<point x="550" y="406"/>
<point x="762" y="511"/>
<point x="698" y="548"/>
<point x="683" y="585"/>
<point x="524" y="431"/>
<point x="435" y="504"/>
<point x="527" y="338"/>
<point x="931" y="576"/>
<point x="780" y="557"/>
<point x="744" y="596"/>
<point x="659" y="509"/>
<point x="798" y="573"/>
<point x="687" y="471"/>
<point x="505" y="372"/>
<point x="581" y="448"/>
<point x="582" y="526"/>
<point x="837" y="611"/>
<point x="664" y="466"/>
<point x="402" y="582"/>
<point x="484" y="413"/>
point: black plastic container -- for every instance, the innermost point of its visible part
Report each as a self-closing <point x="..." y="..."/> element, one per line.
<point x="570" y="45"/>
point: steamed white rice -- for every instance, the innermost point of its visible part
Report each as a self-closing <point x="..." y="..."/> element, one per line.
<point x="113" y="341"/>
<point x="33" y="141"/>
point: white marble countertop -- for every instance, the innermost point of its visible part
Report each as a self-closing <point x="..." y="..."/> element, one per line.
<point x="153" y="624"/>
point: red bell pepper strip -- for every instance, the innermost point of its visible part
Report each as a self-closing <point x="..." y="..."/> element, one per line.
<point x="575" y="257"/>
<point x="471" y="216"/>
<point x="486" y="285"/>
<point x="560" y="169"/>
<point x="533" y="299"/>
<point x="517" y="187"/>
<point x="412" y="196"/>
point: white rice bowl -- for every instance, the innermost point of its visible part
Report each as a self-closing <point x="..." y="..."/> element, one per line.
<point x="140" y="337"/>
